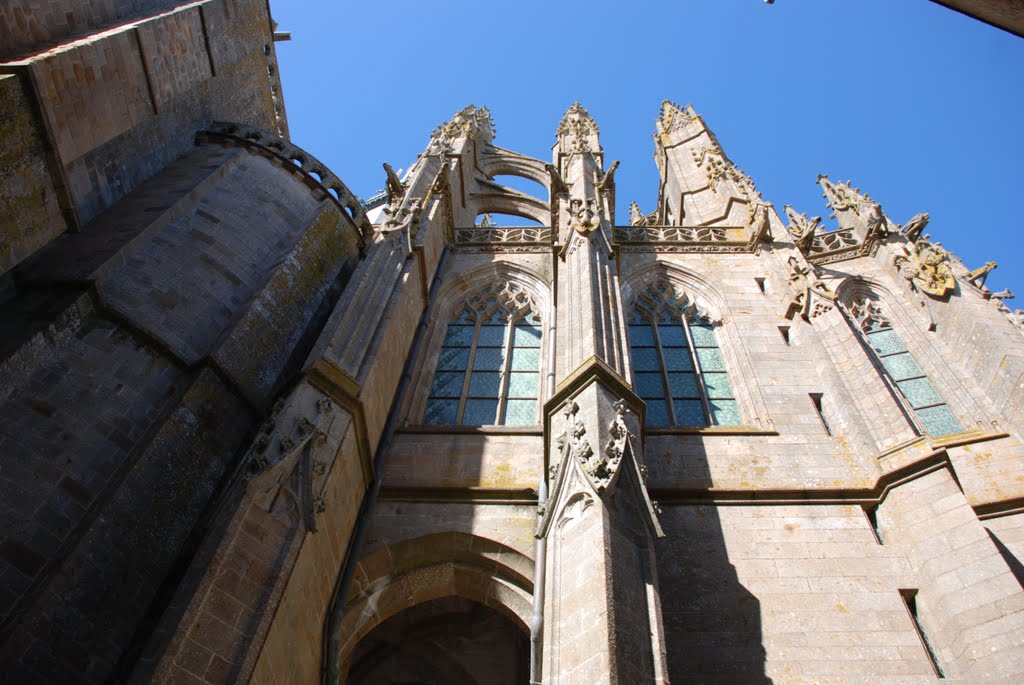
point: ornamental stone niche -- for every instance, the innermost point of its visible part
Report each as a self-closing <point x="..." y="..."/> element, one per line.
<point x="254" y="429"/>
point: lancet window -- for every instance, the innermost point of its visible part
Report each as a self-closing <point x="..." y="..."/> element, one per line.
<point x="488" y="370"/>
<point x="932" y="412"/>
<point x="678" y="367"/>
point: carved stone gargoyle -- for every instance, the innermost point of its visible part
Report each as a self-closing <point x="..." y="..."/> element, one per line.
<point x="979" y="275"/>
<point x="915" y="226"/>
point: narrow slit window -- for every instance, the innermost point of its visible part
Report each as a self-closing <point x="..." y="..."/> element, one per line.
<point x="784" y="332"/>
<point x="816" y="400"/>
<point x="931" y="410"/>
<point x="871" y="514"/>
<point x="678" y="368"/>
<point x="488" y="370"/>
<point x="910" y="601"/>
<point x="760" y="285"/>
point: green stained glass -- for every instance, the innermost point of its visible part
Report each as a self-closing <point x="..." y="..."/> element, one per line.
<point x="646" y="359"/>
<point x="938" y="420"/>
<point x="678" y="359"/>
<point x="710" y="359"/>
<point x="453" y="358"/>
<point x="491" y="336"/>
<point x="683" y="385"/>
<point x="725" y="412"/>
<point x="489" y="358"/>
<point x="458" y="336"/>
<point x="641" y="336"/>
<point x="480" y="412"/>
<point x="672" y="335"/>
<point x="886" y="341"/>
<point x="523" y="384"/>
<point x="901" y="366"/>
<point x="521" y="413"/>
<point x="689" y="413"/>
<point x="649" y="385"/>
<point x="447" y="384"/>
<point x="484" y="384"/>
<point x="919" y="392"/>
<point x="703" y="335"/>
<point x="717" y="385"/>
<point x="657" y="413"/>
<point x="526" y="359"/>
<point x="526" y="336"/>
<point x="440" y="412"/>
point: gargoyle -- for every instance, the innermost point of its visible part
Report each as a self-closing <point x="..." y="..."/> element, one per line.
<point x="915" y="226"/>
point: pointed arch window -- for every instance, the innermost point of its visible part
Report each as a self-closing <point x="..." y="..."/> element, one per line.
<point x="488" y="371"/>
<point x="678" y="367"/>
<point x="928" y="406"/>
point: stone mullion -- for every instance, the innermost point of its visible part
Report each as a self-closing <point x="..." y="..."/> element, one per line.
<point x="506" y="371"/>
<point x="664" y="375"/>
<point x="702" y="389"/>
<point x="464" y="394"/>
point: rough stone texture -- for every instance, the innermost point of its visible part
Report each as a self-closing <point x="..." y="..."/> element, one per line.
<point x="214" y="383"/>
<point x="32" y="213"/>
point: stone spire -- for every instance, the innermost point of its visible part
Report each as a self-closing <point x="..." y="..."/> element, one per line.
<point x="700" y="185"/>
<point x="853" y="209"/>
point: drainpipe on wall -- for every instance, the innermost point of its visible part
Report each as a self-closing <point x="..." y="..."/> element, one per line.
<point x="540" y="557"/>
<point x="330" y="667"/>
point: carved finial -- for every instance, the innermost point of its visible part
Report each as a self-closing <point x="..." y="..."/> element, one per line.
<point x="802" y="227"/>
<point x="578" y="131"/>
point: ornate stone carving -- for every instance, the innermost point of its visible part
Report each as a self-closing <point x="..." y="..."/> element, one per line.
<point x="802" y="228"/>
<point x="915" y="226"/>
<point x="673" y="117"/>
<point x="638" y="218"/>
<point x="470" y="122"/>
<point x="393" y="185"/>
<point x="582" y="215"/>
<point x="578" y="131"/>
<point x="719" y="167"/>
<point x="760" y="222"/>
<point x="511" y="235"/>
<point x="571" y="443"/>
<point x="286" y="475"/>
<point x="868" y="314"/>
<point x="807" y="288"/>
<point x="926" y="267"/>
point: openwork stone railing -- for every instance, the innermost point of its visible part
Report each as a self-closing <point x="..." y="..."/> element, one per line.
<point x="837" y="246"/>
<point x="316" y="174"/>
<point x="684" y="238"/>
<point x="504" y="235"/>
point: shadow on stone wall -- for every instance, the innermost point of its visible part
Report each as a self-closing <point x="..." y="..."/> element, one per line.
<point x="448" y="641"/>
<point x="712" y="622"/>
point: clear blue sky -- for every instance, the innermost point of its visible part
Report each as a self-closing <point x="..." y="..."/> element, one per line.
<point x="919" y="106"/>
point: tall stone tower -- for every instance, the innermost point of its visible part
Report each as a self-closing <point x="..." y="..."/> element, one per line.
<point x="253" y="431"/>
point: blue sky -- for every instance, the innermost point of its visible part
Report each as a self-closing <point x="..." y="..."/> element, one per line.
<point x="918" y="105"/>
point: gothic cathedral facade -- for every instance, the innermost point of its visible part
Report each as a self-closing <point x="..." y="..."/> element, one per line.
<point x="253" y="429"/>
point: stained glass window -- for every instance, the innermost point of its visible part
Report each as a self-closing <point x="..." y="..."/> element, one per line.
<point x="678" y="368"/>
<point x="488" y="370"/>
<point x="929" y="407"/>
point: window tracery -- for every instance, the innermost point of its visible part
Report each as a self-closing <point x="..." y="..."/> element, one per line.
<point x="678" y="367"/>
<point x="488" y="370"/>
<point x="912" y="382"/>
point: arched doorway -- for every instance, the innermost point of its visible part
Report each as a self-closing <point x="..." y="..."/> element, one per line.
<point x="445" y="641"/>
